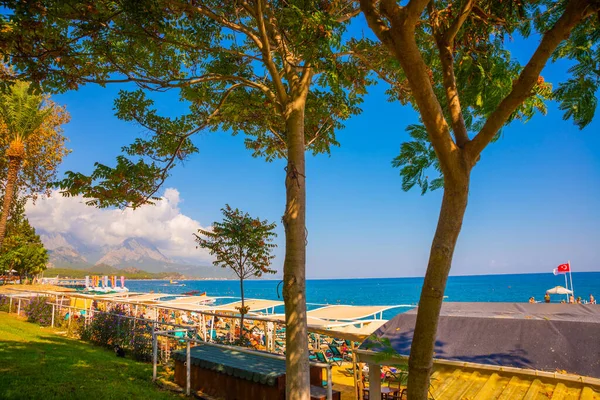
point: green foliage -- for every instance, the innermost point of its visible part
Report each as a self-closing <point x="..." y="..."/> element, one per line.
<point x="578" y="95"/>
<point x="384" y="351"/>
<point x="114" y="329"/>
<point x="25" y="258"/>
<point x="39" y="311"/>
<point x="23" y="250"/>
<point x="129" y="273"/>
<point x="21" y="109"/>
<point x="241" y="243"/>
<point x="415" y="159"/>
<point x="214" y="54"/>
<point x="31" y="130"/>
<point x="485" y="73"/>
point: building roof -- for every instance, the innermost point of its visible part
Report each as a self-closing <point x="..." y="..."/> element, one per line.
<point x="543" y="337"/>
<point x="449" y="383"/>
<point x="244" y="365"/>
<point x="347" y="313"/>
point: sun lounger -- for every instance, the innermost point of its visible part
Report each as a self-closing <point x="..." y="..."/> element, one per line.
<point x="335" y="351"/>
<point x="328" y="360"/>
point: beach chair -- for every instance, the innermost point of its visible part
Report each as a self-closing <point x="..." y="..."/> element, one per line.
<point x="328" y="360"/>
<point x="335" y="351"/>
<point x="321" y="357"/>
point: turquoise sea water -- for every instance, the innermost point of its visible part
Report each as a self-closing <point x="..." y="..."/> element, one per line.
<point x="392" y="291"/>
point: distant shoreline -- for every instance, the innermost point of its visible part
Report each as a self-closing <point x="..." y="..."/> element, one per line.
<point x="363" y="278"/>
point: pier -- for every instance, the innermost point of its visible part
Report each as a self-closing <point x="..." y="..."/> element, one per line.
<point x="65" y="282"/>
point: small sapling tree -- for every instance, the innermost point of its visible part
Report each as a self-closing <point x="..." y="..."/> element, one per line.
<point x="241" y="243"/>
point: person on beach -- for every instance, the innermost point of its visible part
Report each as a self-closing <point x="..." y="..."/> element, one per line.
<point x="571" y="300"/>
<point x="344" y="349"/>
<point x="579" y="300"/>
<point x="592" y="299"/>
<point x="532" y="299"/>
<point x="547" y="298"/>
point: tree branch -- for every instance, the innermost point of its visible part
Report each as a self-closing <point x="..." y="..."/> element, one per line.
<point x="236" y="27"/>
<point x="413" y="10"/>
<point x="575" y="12"/>
<point x="400" y="40"/>
<point x="445" y="45"/>
<point x="452" y="31"/>
<point x="369" y="65"/>
<point x="374" y="20"/>
<point x="267" y="57"/>
<point x="174" y="155"/>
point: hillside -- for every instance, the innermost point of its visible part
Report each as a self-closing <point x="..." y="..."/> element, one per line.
<point x="67" y="252"/>
<point x="129" y="273"/>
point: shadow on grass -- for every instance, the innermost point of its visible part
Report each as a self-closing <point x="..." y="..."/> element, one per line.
<point x="53" y="367"/>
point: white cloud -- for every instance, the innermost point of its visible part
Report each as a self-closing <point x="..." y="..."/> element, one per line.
<point x="162" y="224"/>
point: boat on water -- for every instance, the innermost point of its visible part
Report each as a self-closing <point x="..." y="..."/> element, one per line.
<point x="194" y="293"/>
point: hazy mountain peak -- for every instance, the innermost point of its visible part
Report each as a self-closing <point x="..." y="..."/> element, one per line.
<point x="133" y="250"/>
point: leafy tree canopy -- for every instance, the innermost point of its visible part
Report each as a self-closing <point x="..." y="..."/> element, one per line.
<point x="238" y="66"/>
<point x="44" y="146"/>
<point x="465" y="46"/>
<point x="241" y="243"/>
<point x="22" y="250"/>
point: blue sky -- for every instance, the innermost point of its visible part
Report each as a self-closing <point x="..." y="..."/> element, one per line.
<point x="534" y="199"/>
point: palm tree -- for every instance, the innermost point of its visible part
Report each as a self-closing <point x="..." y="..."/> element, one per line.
<point x="22" y="113"/>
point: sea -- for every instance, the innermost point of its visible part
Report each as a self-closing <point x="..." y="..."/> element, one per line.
<point x="387" y="291"/>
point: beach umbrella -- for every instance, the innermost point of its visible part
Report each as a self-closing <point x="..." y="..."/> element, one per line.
<point x="559" y="290"/>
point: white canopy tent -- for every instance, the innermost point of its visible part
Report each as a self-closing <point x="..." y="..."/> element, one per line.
<point x="254" y="305"/>
<point x="349" y="313"/>
<point x="203" y="299"/>
<point x="356" y="331"/>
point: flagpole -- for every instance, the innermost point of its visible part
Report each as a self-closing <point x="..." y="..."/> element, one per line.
<point x="567" y="287"/>
<point x="571" y="278"/>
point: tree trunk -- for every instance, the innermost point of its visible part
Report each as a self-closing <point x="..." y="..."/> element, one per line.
<point x="454" y="204"/>
<point x="294" y="274"/>
<point x="242" y="311"/>
<point x="14" y="164"/>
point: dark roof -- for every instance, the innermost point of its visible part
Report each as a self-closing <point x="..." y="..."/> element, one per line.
<point x="549" y="337"/>
<point x="252" y="367"/>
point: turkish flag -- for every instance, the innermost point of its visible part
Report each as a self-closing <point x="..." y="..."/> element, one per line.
<point x="562" y="269"/>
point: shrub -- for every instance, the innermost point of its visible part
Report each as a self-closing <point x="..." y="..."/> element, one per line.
<point x="39" y="311"/>
<point x="113" y="329"/>
<point x="4" y="303"/>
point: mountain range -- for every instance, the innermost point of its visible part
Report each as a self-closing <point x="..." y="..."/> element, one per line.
<point x="67" y="251"/>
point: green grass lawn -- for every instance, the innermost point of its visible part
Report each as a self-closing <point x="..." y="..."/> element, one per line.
<point x="36" y="363"/>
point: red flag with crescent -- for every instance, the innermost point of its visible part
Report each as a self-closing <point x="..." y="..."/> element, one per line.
<point x="562" y="269"/>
